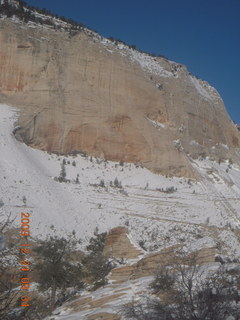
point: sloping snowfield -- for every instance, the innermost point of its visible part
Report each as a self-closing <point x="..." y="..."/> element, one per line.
<point x="200" y="214"/>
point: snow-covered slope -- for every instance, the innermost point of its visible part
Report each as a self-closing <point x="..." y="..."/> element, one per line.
<point x="198" y="214"/>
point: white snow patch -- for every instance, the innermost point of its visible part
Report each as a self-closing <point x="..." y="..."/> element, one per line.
<point x="157" y="124"/>
<point x="149" y="63"/>
<point x="194" y="143"/>
<point x="203" y="92"/>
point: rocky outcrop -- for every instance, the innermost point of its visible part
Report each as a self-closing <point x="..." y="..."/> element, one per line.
<point x="119" y="246"/>
<point x="132" y="281"/>
<point x="148" y="265"/>
<point x="84" y="93"/>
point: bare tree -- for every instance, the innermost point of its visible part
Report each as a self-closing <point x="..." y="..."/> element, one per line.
<point x="8" y="221"/>
<point x="194" y="294"/>
<point x="8" y="296"/>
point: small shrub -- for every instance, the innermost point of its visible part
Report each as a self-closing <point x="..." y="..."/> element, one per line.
<point x="167" y="190"/>
<point x="1" y="203"/>
<point x="142" y="244"/>
<point x="159" y="86"/>
<point x="133" y="46"/>
<point x="117" y="183"/>
<point x="203" y="155"/>
<point x="127" y="223"/>
<point x="219" y="258"/>
<point x="102" y="183"/>
<point x="163" y="280"/>
<point x="121" y="163"/>
<point x="124" y="192"/>
<point x="219" y="245"/>
<point x="62" y="175"/>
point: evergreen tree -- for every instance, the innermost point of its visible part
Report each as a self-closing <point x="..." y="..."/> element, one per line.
<point x="54" y="267"/>
<point x="97" y="265"/>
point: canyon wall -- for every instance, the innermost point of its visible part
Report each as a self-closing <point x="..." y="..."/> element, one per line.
<point x="85" y="93"/>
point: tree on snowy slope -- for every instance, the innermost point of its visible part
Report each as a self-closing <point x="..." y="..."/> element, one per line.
<point x="97" y="266"/>
<point x="187" y="293"/>
<point x="54" y="267"/>
<point x="9" y="274"/>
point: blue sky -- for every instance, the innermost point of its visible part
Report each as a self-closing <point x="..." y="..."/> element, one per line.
<point x="202" y="34"/>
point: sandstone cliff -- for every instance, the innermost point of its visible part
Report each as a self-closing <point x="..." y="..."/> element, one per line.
<point x="85" y="93"/>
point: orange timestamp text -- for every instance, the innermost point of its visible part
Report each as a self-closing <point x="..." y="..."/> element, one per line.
<point x="25" y="262"/>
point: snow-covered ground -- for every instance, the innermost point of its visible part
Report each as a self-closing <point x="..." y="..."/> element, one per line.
<point x="198" y="213"/>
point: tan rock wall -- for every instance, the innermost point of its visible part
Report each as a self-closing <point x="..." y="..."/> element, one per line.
<point x="148" y="265"/>
<point x="74" y="94"/>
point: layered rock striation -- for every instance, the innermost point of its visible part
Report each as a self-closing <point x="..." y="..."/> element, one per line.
<point x="83" y="93"/>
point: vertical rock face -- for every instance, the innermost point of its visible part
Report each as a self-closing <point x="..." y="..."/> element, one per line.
<point x="84" y="93"/>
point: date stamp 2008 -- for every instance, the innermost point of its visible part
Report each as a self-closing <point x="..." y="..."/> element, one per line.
<point x="25" y="262"/>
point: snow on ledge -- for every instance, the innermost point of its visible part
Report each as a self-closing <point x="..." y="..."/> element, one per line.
<point x="157" y="124"/>
<point x="200" y="89"/>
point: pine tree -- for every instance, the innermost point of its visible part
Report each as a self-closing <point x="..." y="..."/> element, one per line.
<point x="96" y="264"/>
<point x="54" y="268"/>
<point x="62" y="176"/>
